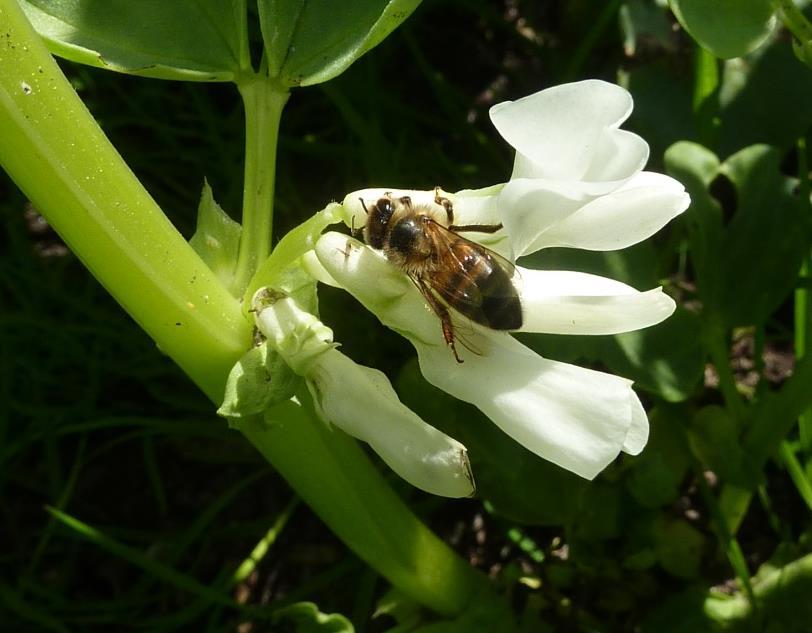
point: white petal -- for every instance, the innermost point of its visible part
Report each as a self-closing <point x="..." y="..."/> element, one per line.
<point x="312" y="266"/>
<point x="361" y="401"/>
<point x="529" y="207"/>
<point x="637" y="437"/>
<point x="577" y="418"/>
<point x="563" y="302"/>
<point x="477" y="206"/>
<point x="343" y="256"/>
<point x="620" y="154"/>
<point x="355" y="216"/>
<point x="617" y="220"/>
<point x="559" y="129"/>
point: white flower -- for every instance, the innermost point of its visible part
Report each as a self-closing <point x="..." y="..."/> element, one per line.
<point x="360" y="400"/>
<point x="576" y="182"/>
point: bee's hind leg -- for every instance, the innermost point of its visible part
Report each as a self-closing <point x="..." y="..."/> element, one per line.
<point x="448" y="335"/>
<point x="442" y="313"/>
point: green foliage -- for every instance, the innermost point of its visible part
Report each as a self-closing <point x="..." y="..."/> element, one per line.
<point x="305" y="617"/>
<point x="156" y="502"/>
<point x="736" y="286"/>
<point x="259" y="380"/>
<point x="187" y="40"/>
<point x="311" y="42"/>
<point x="727" y="28"/>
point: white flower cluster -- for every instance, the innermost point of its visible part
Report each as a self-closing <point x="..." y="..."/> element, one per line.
<point x="577" y="182"/>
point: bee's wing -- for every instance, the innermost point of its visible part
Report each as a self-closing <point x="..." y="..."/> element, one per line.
<point x="462" y="291"/>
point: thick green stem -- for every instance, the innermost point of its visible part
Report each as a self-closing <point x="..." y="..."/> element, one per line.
<point x="331" y="473"/>
<point x="56" y="153"/>
<point x="263" y="100"/>
<point x="794" y="19"/>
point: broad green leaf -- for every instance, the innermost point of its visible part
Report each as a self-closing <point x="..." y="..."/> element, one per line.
<point x="696" y="167"/>
<point x="600" y="516"/>
<point x="192" y="40"/>
<point x="259" y="380"/>
<point x="727" y="28"/>
<point x="714" y="439"/>
<point x="765" y="241"/>
<point x="217" y="238"/>
<point x="746" y="269"/>
<point x="762" y="99"/>
<point x="680" y="612"/>
<point x="656" y="474"/>
<point x="667" y="359"/>
<point x="308" y="42"/>
<point x="679" y="547"/>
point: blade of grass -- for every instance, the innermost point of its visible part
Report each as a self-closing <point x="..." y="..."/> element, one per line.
<point x="803" y="302"/>
<point x="796" y="473"/>
<point x="154" y="474"/>
<point x="14" y="603"/>
<point x="261" y="548"/>
<point x="729" y="543"/>
<point x="64" y="499"/>
<point x="151" y="566"/>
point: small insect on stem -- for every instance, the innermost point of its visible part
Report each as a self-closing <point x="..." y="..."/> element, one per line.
<point x="451" y="272"/>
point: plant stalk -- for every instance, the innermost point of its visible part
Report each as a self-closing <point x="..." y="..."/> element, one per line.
<point x="263" y="100"/>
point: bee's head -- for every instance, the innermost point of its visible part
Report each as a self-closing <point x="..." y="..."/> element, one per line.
<point x="378" y="216"/>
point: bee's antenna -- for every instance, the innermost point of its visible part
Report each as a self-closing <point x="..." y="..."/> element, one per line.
<point x="364" y="206"/>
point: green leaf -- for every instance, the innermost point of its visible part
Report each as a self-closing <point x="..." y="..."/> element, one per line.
<point x="217" y="238"/>
<point x="600" y="516"/>
<point x="192" y="40"/>
<point x="305" y="617"/>
<point x="679" y="547"/>
<point x="747" y="268"/>
<point x="696" y="167"/>
<point x="727" y="28"/>
<point x="765" y="241"/>
<point x="714" y="439"/>
<point x="259" y="380"/>
<point x="667" y="359"/>
<point x="762" y="99"/>
<point x="656" y="475"/>
<point x="310" y="42"/>
<point x="681" y="612"/>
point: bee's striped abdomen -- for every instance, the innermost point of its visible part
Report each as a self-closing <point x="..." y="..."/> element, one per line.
<point x="481" y="290"/>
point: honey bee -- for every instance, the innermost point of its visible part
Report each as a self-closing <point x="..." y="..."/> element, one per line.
<point x="449" y="270"/>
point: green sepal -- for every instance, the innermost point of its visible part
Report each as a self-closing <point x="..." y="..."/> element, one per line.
<point x="279" y="270"/>
<point x="217" y="238"/>
<point x="259" y="380"/>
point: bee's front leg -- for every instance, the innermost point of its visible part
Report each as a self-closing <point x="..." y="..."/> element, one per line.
<point x="445" y="203"/>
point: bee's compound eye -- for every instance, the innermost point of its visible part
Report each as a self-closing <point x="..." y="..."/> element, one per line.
<point x="384" y="206"/>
